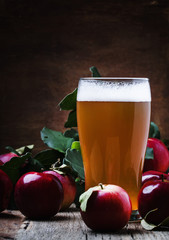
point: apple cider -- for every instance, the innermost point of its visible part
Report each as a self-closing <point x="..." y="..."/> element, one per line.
<point x="113" y="124"/>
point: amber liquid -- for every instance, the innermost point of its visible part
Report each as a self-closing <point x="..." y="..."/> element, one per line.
<point x="113" y="137"/>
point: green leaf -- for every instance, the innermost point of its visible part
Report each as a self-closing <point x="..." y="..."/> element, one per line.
<point x="147" y="226"/>
<point x="65" y="170"/>
<point x="22" y="150"/>
<point x="80" y="188"/>
<point x="94" y="71"/>
<point x="25" y="149"/>
<point x="13" y="167"/>
<point x="154" y="131"/>
<point x="69" y="101"/>
<point x="34" y="165"/>
<point x="11" y="149"/>
<point x="73" y="158"/>
<point x="56" y="140"/>
<point x="76" y="145"/>
<point x="85" y="197"/>
<point x="165" y="223"/>
<point x="166" y="142"/>
<point x="72" y="120"/>
<point x="72" y="133"/>
<point x="149" y="153"/>
<point x="150" y="226"/>
<point x="48" y="157"/>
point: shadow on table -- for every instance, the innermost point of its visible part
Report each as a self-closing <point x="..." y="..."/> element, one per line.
<point x="64" y="215"/>
<point x="71" y="209"/>
<point x="129" y="229"/>
<point x="9" y="215"/>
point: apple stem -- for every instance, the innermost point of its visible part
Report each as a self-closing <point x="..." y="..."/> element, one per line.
<point x="101" y="185"/>
<point x="162" y="177"/>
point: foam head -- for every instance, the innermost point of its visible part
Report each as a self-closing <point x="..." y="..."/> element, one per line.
<point x="114" y="90"/>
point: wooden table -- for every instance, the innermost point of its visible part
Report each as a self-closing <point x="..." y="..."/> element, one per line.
<point x="66" y="226"/>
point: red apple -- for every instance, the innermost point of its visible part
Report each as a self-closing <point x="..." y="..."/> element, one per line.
<point x="6" y="157"/>
<point x="69" y="188"/>
<point x="6" y="187"/>
<point x="38" y="195"/>
<point x="153" y="175"/>
<point x="154" y="195"/>
<point x="161" y="156"/>
<point x="105" y="208"/>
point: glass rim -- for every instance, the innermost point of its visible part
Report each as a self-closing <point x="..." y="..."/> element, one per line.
<point x="115" y="78"/>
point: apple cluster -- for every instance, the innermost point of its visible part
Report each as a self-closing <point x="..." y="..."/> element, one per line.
<point x="38" y="195"/>
<point x="41" y="195"/>
<point x="153" y="198"/>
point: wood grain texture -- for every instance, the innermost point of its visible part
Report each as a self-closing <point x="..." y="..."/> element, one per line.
<point x="10" y="222"/>
<point x="45" y="47"/>
<point x="69" y="225"/>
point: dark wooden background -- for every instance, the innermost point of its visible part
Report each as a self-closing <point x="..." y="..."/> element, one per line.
<point x="46" y="46"/>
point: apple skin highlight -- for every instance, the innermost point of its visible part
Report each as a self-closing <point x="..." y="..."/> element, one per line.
<point x="154" y="175"/>
<point x="154" y="195"/>
<point x="161" y="156"/>
<point x="38" y="195"/>
<point x="6" y="157"/>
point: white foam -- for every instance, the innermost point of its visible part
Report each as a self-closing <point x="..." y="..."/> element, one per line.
<point x="121" y="90"/>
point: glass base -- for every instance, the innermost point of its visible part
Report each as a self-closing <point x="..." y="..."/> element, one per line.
<point x="135" y="216"/>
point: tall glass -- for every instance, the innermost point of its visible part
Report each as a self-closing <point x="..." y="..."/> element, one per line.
<point x="113" y="116"/>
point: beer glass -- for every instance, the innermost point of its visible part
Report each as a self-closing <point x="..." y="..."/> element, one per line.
<point x="113" y="116"/>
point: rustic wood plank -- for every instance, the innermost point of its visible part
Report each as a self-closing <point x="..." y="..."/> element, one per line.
<point x="68" y="225"/>
<point x="10" y="222"/>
